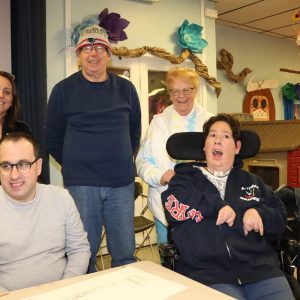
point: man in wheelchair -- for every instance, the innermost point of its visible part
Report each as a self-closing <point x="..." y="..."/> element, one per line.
<point x="223" y="218"/>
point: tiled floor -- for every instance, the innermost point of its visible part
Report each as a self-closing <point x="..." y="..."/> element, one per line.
<point x="144" y="254"/>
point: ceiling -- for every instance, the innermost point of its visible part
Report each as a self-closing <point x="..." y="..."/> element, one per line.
<point x="270" y="17"/>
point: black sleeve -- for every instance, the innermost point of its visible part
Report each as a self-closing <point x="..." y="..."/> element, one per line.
<point x="191" y="196"/>
<point x="19" y="126"/>
<point x="55" y="125"/>
<point x="273" y="214"/>
<point x="22" y="127"/>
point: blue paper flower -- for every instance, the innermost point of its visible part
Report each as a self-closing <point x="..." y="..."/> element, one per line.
<point x="76" y="31"/>
<point x="190" y="37"/>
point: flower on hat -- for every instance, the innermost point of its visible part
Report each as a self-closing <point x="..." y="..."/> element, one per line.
<point x="190" y="37"/>
<point x="114" y="25"/>
<point x="77" y="30"/>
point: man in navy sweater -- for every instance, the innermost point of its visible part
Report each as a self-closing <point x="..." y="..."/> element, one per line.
<point x="93" y="129"/>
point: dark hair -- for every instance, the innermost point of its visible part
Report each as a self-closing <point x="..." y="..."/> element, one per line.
<point x="13" y="113"/>
<point x="227" y="118"/>
<point x="17" y="136"/>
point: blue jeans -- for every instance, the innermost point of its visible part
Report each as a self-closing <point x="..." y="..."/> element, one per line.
<point x="275" y="288"/>
<point x="162" y="235"/>
<point x="113" y="208"/>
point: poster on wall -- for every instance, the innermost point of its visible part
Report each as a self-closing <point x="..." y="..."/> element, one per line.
<point x="259" y="101"/>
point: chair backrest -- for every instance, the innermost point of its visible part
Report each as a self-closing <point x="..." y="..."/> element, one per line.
<point x="138" y="189"/>
<point x="189" y="145"/>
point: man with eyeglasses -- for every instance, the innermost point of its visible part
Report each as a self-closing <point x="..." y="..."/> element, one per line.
<point x="93" y="130"/>
<point x="41" y="234"/>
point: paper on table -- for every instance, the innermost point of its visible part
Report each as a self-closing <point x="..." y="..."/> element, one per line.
<point x="121" y="284"/>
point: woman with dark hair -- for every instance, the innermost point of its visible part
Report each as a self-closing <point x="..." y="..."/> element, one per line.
<point x="223" y="219"/>
<point x="10" y="106"/>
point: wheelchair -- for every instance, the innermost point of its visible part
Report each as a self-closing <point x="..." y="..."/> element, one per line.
<point x="185" y="146"/>
<point x="288" y="248"/>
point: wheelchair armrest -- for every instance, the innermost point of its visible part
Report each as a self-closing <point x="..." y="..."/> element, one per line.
<point x="167" y="250"/>
<point x="169" y="254"/>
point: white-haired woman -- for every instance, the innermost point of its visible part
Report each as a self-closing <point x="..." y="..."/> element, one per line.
<point x="153" y="163"/>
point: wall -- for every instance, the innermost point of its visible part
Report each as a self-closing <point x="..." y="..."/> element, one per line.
<point x="5" y="40"/>
<point x="151" y="24"/>
<point x="263" y="55"/>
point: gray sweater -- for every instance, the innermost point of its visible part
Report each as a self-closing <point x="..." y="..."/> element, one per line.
<point x="41" y="241"/>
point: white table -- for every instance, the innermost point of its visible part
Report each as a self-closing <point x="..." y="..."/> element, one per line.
<point x="140" y="280"/>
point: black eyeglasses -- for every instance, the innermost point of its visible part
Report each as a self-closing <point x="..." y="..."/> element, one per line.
<point x="22" y="166"/>
<point x="89" y="49"/>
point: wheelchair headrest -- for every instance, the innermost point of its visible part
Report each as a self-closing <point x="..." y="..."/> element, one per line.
<point x="189" y="145"/>
<point x="291" y="198"/>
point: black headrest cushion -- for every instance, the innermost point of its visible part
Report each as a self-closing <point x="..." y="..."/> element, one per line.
<point x="189" y="145"/>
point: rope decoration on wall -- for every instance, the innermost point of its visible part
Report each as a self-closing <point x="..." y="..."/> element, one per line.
<point x="189" y="39"/>
<point x="226" y="64"/>
<point x="200" y="68"/>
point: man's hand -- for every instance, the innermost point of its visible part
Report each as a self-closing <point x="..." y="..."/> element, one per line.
<point x="167" y="176"/>
<point x="226" y="215"/>
<point x="253" y="221"/>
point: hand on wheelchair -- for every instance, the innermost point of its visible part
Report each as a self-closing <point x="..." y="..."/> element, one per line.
<point x="169" y="255"/>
